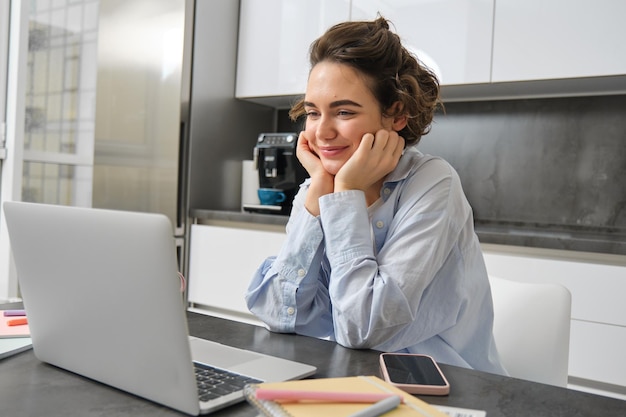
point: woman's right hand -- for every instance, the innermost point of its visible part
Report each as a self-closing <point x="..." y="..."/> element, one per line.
<point x="309" y="159"/>
<point x="322" y="182"/>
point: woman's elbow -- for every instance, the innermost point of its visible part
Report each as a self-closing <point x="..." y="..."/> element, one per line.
<point x="355" y="339"/>
<point x="364" y="337"/>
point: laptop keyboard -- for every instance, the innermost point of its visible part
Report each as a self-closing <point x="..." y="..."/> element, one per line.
<point x="214" y="383"/>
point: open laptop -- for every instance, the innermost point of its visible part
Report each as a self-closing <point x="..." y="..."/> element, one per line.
<point x="102" y="295"/>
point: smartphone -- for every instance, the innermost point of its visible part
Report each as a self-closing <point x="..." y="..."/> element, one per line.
<point x="414" y="373"/>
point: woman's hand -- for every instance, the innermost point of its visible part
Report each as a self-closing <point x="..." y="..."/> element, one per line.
<point x="309" y="159"/>
<point x="322" y="182"/>
<point x="376" y="156"/>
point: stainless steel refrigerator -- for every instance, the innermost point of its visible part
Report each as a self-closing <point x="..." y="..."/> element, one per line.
<point x="170" y="134"/>
<point x="142" y="86"/>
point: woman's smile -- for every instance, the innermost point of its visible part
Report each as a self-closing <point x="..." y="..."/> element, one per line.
<point x="332" y="151"/>
<point x="340" y="109"/>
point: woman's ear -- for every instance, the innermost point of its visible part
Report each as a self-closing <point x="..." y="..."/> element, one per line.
<point x="399" y="122"/>
<point x="399" y="117"/>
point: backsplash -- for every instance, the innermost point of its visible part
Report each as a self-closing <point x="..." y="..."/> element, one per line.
<point x="547" y="173"/>
<point x="544" y="172"/>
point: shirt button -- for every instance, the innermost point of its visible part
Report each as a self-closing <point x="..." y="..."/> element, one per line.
<point x="386" y="191"/>
<point x="380" y="224"/>
<point x="291" y="310"/>
<point x="301" y="273"/>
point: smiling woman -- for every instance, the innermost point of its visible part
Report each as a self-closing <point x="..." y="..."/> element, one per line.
<point x="342" y="112"/>
<point x="380" y="250"/>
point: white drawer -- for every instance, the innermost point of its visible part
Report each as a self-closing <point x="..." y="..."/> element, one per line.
<point x="222" y="261"/>
<point x="597" y="352"/>
<point x="597" y="289"/>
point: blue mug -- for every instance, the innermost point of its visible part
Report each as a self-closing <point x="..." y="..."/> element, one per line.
<point x="271" y="196"/>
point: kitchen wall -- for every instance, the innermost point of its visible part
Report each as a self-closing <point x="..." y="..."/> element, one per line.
<point x="544" y="172"/>
<point x="548" y="173"/>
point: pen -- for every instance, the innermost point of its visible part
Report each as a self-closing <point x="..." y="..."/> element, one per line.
<point x="17" y="322"/>
<point x="381" y="407"/>
<point x="330" y="396"/>
<point x="8" y="313"/>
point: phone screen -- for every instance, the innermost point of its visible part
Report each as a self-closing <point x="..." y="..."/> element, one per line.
<point x="417" y="370"/>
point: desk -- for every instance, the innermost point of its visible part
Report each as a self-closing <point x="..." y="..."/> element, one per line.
<point x="31" y="388"/>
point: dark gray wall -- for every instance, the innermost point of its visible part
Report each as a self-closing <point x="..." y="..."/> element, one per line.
<point x="223" y="130"/>
<point x="544" y="172"/>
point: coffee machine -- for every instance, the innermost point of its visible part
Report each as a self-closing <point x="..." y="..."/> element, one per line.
<point x="278" y="169"/>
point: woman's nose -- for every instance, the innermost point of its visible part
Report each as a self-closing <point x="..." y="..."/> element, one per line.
<point x="325" y="129"/>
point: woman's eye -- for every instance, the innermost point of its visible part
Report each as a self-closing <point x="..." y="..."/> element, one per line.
<point x="344" y="113"/>
<point x="312" y="114"/>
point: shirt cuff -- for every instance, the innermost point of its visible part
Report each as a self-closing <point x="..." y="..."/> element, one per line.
<point x="346" y="225"/>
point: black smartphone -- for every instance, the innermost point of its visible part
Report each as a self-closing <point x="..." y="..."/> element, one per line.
<point x="414" y="373"/>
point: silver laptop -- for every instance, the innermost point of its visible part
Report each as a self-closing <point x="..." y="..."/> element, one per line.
<point x="102" y="295"/>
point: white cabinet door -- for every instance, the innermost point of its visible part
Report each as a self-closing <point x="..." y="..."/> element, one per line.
<point x="598" y="326"/>
<point x="552" y="39"/>
<point x="597" y="352"/>
<point x="222" y="261"/>
<point x="274" y="40"/>
<point x="452" y="37"/>
<point x="597" y="288"/>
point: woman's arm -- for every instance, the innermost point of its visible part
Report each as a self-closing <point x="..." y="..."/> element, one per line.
<point x="377" y="297"/>
<point x="289" y="292"/>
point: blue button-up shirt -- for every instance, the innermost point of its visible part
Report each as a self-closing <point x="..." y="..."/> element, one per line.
<point x="405" y="275"/>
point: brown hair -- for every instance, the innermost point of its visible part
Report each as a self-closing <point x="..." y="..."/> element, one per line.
<point x="393" y="73"/>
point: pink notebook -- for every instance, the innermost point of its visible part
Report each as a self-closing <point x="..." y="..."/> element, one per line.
<point x="12" y="331"/>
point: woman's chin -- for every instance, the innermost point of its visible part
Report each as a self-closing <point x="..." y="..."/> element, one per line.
<point x="332" y="167"/>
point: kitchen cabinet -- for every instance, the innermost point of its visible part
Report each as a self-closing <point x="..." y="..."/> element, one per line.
<point x="274" y="40"/>
<point x="556" y="39"/>
<point x="598" y="326"/>
<point x="481" y="49"/>
<point x="222" y="260"/>
<point x="452" y="37"/>
<point x="597" y="352"/>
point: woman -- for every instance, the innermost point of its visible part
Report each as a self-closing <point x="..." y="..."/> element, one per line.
<point x="380" y="250"/>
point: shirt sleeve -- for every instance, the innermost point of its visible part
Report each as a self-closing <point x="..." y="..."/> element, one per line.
<point x="289" y="292"/>
<point x="388" y="296"/>
<point x="332" y="279"/>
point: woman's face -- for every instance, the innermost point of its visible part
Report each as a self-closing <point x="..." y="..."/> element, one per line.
<point x="340" y="109"/>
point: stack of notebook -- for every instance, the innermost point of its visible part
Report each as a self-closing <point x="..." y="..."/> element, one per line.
<point x="344" y="397"/>
<point x="14" y="333"/>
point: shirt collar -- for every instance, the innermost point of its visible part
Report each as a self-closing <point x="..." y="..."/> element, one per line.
<point x="407" y="163"/>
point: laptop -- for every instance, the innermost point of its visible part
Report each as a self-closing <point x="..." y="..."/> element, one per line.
<point x="102" y="295"/>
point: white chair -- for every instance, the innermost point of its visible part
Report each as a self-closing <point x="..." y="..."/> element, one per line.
<point x="532" y="329"/>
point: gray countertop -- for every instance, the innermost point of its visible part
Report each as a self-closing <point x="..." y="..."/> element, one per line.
<point x="29" y="387"/>
<point x="236" y="216"/>
<point x="513" y="234"/>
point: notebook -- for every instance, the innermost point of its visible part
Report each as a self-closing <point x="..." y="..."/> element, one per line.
<point x="102" y="295"/>
<point x="411" y="407"/>
<point x="7" y="331"/>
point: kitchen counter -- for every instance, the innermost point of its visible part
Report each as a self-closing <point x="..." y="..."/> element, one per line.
<point x="30" y="387"/>
<point x="201" y="215"/>
<point x="504" y="234"/>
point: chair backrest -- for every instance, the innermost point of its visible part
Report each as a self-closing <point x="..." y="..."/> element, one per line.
<point x="532" y="329"/>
